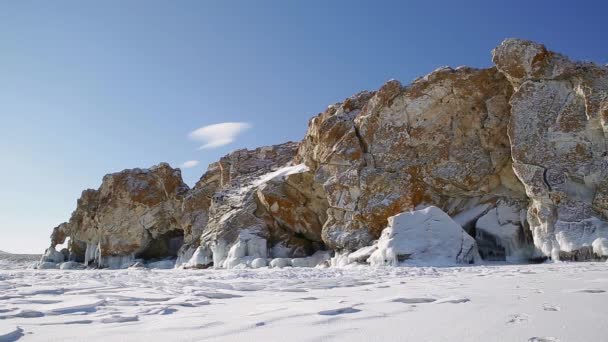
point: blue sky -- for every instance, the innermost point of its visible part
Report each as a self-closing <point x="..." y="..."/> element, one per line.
<point x="88" y="88"/>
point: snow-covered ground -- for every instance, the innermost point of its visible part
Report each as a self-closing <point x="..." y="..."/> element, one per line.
<point x="550" y="302"/>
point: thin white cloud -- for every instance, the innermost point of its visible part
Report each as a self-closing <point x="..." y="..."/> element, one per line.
<point x="218" y="134"/>
<point x="190" y="163"/>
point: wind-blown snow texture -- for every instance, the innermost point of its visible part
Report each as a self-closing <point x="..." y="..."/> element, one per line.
<point x="481" y="303"/>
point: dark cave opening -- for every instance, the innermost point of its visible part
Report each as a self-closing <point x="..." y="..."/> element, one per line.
<point x="164" y="246"/>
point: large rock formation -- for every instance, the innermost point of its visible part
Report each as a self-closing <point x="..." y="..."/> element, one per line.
<point x="516" y="154"/>
<point x="442" y="141"/>
<point x="258" y="207"/>
<point x="134" y="213"/>
<point x="558" y="132"/>
<point x="248" y="205"/>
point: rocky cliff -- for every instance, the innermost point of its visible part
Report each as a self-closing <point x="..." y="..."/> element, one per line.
<point x="516" y="155"/>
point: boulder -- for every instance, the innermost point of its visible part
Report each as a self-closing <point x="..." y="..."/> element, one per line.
<point x="280" y="262"/>
<point x="53" y="256"/>
<point x="45" y="265"/>
<point x="71" y="265"/>
<point x="320" y="258"/>
<point x="600" y="247"/>
<point x="259" y="263"/>
<point x="424" y="237"/>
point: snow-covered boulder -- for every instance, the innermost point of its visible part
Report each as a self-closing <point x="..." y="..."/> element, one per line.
<point x="259" y="263"/>
<point x="427" y="237"/>
<point x="359" y="256"/>
<point x="47" y="265"/>
<point x="280" y="262"/>
<point x="362" y="254"/>
<point x="600" y="247"/>
<point x="53" y="256"/>
<point x="70" y="265"/>
<point x="319" y="258"/>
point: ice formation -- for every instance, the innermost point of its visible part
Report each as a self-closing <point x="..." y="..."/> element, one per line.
<point x="500" y="234"/>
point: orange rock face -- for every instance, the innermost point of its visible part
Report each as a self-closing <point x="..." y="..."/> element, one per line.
<point x="442" y="140"/>
<point x="130" y="210"/>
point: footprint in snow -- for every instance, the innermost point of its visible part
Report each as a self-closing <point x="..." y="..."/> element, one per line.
<point x="218" y="295"/>
<point x="11" y="335"/>
<point x="518" y="318"/>
<point x="543" y="339"/>
<point x="550" y="307"/>
<point x="413" y="300"/>
<point x="119" y="319"/>
<point x="29" y="314"/>
<point x="82" y="321"/>
<point x="453" y="300"/>
<point x="340" y="311"/>
<point x="592" y="291"/>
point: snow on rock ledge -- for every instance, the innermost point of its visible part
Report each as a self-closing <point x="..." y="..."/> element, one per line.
<point x="428" y="236"/>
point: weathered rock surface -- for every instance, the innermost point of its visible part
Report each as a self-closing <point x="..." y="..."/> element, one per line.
<point x="260" y="211"/>
<point x="559" y="122"/>
<point x="134" y="212"/>
<point x="442" y="141"/>
<point x="482" y="145"/>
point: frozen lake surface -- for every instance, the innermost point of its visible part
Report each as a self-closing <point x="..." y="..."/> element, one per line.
<point x="549" y="302"/>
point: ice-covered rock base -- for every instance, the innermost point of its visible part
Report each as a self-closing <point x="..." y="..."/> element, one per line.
<point x="501" y="235"/>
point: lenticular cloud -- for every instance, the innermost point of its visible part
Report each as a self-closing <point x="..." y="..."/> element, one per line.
<point x="189" y="164"/>
<point x="218" y="134"/>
